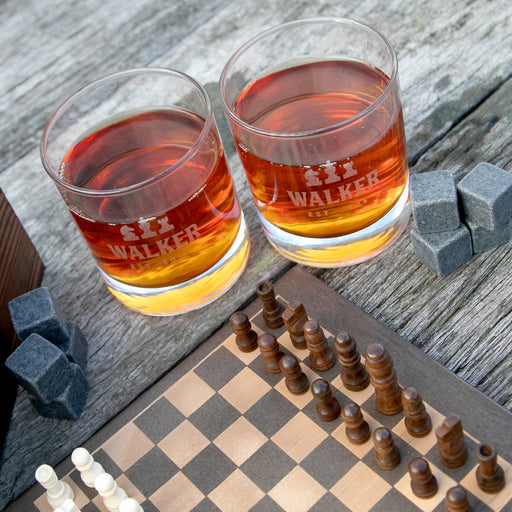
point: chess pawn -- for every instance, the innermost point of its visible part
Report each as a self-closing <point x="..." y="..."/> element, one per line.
<point x="356" y="427"/>
<point x="417" y="420"/>
<point x="489" y="474"/>
<point x="295" y="379"/>
<point x="110" y="492"/>
<point x="388" y="393"/>
<point x="353" y="374"/>
<point x="130" y="505"/>
<point x="327" y="407"/>
<point x="57" y="491"/>
<point x="246" y="338"/>
<point x="294" y="318"/>
<point x="321" y="356"/>
<point x="67" y="506"/>
<point x="387" y="453"/>
<point x="423" y="482"/>
<point x="86" y="465"/>
<point x="450" y="440"/>
<point x="271" y="352"/>
<point x="457" y="500"/>
<point x="272" y="308"/>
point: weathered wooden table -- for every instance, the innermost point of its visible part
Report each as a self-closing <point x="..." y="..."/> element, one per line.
<point x="456" y="78"/>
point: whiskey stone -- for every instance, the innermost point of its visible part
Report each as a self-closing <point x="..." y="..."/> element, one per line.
<point x="75" y="348"/>
<point x="485" y="196"/>
<point x="483" y="239"/>
<point x="434" y="202"/>
<point x="37" y="312"/>
<point x="443" y="252"/>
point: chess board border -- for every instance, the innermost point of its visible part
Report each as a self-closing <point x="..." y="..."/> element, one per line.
<point x="481" y="417"/>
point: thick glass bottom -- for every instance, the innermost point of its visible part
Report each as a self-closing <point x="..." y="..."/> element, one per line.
<point x="193" y="294"/>
<point x="343" y="250"/>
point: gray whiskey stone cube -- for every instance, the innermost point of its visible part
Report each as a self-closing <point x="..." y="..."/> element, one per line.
<point x="443" y="252"/>
<point x="37" y="312"/>
<point x="76" y="346"/>
<point x="485" y="196"/>
<point x="70" y="402"/>
<point x="483" y="239"/>
<point x="40" y="367"/>
<point x="434" y="202"/>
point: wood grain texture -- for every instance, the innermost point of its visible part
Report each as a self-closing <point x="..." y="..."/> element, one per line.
<point x="455" y="63"/>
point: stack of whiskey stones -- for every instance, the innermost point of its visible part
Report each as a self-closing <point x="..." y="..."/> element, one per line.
<point x="50" y="362"/>
<point x="451" y="222"/>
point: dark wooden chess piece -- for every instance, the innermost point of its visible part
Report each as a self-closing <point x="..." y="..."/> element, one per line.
<point x="271" y="352"/>
<point x="272" y="308"/>
<point x="387" y="453"/>
<point x="417" y="420"/>
<point x="489" y="474"/>
<point x="295" y="379"/>
<point x="294" y="318"/>
<point x="356" y="427"/>
<point x="457" y="500"/>
<point x="246" y="338"/>
<point x="327" y="407"/>
<point x="388" y="393"/>
<point x="353" y="374"/>
<point x="423" y="482"/>
<point x="321" y="355"/>
<point x="450" y="440"/>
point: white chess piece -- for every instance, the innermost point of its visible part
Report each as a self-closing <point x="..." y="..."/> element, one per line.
<point x="67" y="506"/>
<point x="130" y="505"/>
<point x="89" y="469"/>
<point x="57" y="491"/>
<point x="110" y="492"/>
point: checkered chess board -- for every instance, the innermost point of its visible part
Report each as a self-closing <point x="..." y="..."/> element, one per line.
<point x="219" y="433"/>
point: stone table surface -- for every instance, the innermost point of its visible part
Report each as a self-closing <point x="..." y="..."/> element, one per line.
<point x="455" y="68"/>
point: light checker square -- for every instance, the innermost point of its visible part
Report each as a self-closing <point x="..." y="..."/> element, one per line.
<point x="189" y="393"/>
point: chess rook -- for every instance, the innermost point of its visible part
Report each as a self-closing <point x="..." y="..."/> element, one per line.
<point x="89" y="469"/>
<point x="388" y="393"/>
<point x="327" y="407"/>
<point x="272" y="308"/>
<point x="296" y="380"/>
<point x="450" y="440"/>
<point x="294" y="318"/>
<point x="489" y="474"/>
<point x="110" y="492"/>
<point x="457" y="500"/>
<point x="271" y="352"/>
<point x="417" y="421"/>
<point x="356" y="427"/>
<point x="423" y="482"/>
<point x="246" y="338"/>
<point x="57" y="491"/>
<point x="387" y="453"/>
<point x="353" y="374"/>
<point x="321" y="356"/>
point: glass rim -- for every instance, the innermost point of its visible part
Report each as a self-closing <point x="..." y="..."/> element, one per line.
<point x="54" y="173"/>
<point x="308" y="21"/>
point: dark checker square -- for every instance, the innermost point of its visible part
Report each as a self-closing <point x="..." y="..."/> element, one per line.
<point x="328" y="462"/>
<point x="329" y="502"/>
<point x="147" y="506"/>
<point x="205" y="505"/>
<point x="214" y="416"/>
<point x="159" y="419"/>
<point x="107" y="463"/>
<point x="266" y="504"/>
<point x="219" y="368"/>
<point x="151" y="471"/>
<point x="271" y="412"/>
<point x="268" y="466"/>
<point x="395" y="500"/>
<point x="90" y="507"/>
<point x="329" y="426"/>
<point x="259" y="369"/>
<point x="90" y="492"/>
<point x="208" y="469"/>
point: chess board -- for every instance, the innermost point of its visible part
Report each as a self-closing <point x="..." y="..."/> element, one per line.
<point x="219" y="433"/>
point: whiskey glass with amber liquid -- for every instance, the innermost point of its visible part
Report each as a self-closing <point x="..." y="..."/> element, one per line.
<point x="314" y="109"/>
<point x="137" y="158"/>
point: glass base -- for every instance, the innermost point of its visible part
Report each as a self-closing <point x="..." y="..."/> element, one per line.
<point x="193" y="294"/>
<point x="343" y="250"/>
